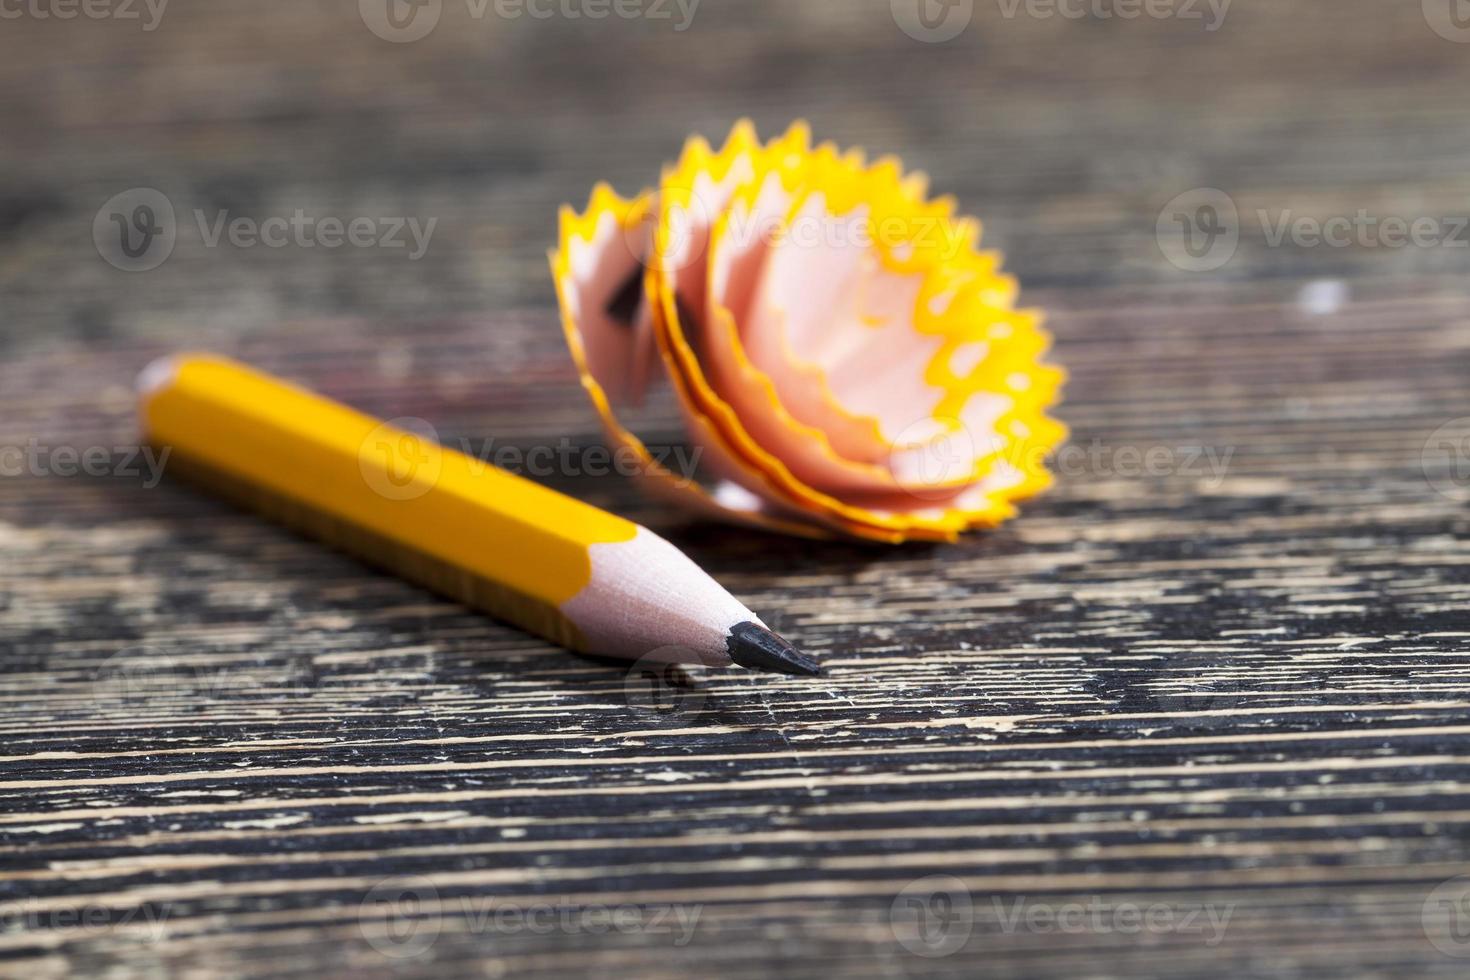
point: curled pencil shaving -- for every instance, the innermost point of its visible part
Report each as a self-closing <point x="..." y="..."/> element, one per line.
<point x="845" y="357"/>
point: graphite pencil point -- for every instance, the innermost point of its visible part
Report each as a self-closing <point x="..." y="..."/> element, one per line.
<point x="752" y="645"/>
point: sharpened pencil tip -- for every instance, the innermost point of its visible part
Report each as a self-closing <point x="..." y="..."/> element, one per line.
<point x="752" y="645"/>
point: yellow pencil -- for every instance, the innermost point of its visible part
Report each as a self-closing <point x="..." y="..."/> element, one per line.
<point x="552" y="565"/>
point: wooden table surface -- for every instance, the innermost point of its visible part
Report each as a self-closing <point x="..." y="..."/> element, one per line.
<point x="1199" y="712"/>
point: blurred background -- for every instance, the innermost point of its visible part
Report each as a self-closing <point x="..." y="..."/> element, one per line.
<point x="1066" y="125"/>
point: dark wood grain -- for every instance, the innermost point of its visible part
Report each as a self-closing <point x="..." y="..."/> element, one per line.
<point x="1224" y="685"/>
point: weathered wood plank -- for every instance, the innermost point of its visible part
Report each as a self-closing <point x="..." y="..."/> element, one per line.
<point x="1224" y="685"/>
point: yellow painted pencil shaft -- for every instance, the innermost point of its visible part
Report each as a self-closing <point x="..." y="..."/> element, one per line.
<point x="461" y="525"/>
